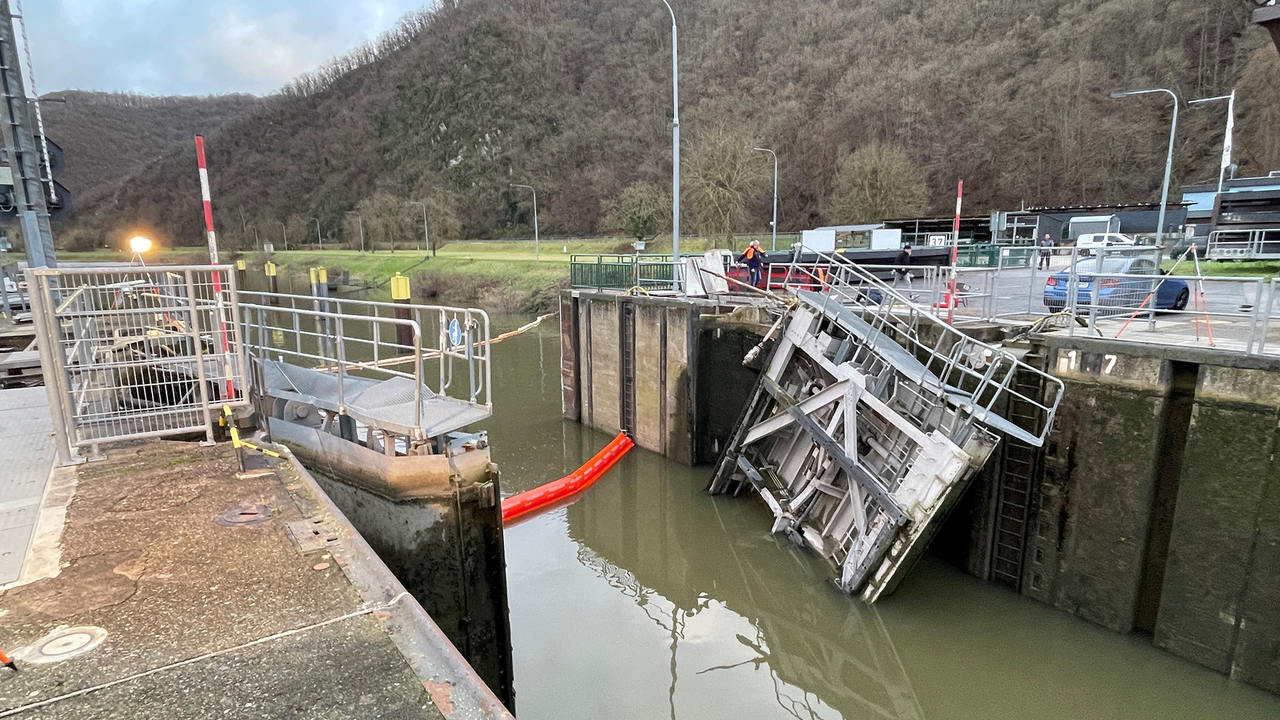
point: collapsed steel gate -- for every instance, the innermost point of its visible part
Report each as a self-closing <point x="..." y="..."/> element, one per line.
<point x="137" y="352"/>
<point x="868" y="420"/>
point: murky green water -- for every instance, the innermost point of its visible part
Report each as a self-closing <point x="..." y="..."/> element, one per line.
<point x="647" y="598"/>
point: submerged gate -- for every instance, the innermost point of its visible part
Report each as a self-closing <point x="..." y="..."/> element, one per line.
<point x="870" y="417"/>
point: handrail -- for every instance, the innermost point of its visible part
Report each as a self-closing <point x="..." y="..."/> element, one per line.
<point x="844" y="278"/>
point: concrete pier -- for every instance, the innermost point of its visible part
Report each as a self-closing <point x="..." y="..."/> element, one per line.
<point x="179" y="588"/>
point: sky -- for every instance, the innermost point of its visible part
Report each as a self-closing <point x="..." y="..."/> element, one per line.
<point x="194" y="47"/>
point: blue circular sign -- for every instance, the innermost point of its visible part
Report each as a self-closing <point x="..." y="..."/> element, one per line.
<point x="455" y="332"/>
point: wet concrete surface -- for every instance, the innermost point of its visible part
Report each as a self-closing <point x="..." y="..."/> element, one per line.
<point x="191" y="608"/>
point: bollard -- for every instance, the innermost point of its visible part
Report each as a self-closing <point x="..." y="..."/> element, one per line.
<point x="241" y="273"/>
<point x="272" y="282"/>
<point x="400" y="296"/>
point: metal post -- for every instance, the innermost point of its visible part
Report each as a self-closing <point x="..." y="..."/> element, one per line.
<point x="955" y="249"/>
<point x="23" y="157"/>
<point x="360" y="224"/>
<point x="198" y="345"/>
<point x="319" y="234"/>
<point x="675" y="149"/>
<point x="400" y="296"/>
<point x="536" y="253"/>
<point x="426" y="238"/>
<point x="775" y="196"/>
<point x="54" y="379"/>
<point x="1168" y="162"/>
<point x="284" y="231"/>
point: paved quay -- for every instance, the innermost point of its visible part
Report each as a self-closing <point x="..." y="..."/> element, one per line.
<point x="185" y="589"/>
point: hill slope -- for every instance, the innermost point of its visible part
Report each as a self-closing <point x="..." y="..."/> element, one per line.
<point x="574" y="97"/>
<point x="108" y="137"/>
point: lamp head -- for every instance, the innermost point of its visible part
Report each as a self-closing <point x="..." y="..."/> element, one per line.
<point x="139" y="244"/>
<point x="1119" y="94"/>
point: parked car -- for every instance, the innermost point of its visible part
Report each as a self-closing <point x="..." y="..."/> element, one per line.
<point x="1117" y="292"/>
<point x="1093" y="241"/>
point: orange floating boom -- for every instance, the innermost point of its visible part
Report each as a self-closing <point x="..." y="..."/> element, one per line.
<point x="576" y="481"/>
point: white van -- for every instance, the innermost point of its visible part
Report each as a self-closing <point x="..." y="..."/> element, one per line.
<point x="1093" y="241"/>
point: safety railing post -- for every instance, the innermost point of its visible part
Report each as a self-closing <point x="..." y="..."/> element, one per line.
<point x="1266" y="316"/>
<point x="193" y="327"/>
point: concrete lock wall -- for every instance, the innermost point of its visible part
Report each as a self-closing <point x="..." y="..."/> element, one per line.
<point x="1157" y="501"/>
<point x="631" y="368"/>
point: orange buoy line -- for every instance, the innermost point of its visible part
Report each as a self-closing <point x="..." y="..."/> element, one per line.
<point x="557" y="490"/>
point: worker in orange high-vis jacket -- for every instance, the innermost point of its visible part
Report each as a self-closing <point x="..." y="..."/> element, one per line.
<point x="754" y="258"/>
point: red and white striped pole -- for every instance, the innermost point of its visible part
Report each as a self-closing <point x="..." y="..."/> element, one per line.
<point x="213" y="260"/>
<point x="955" y="249"/>
<point x="208" y="205"/>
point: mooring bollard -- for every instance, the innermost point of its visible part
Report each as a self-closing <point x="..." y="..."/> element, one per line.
<point x="273" y="284"/>
<point x="241" y="274"/>
<point x="400" y="296"/>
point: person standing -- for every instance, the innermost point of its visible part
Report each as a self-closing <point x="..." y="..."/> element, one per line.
<point x="1046" y="252"/>
<point x="754" y="258"/>
<point x="901" y="266"/>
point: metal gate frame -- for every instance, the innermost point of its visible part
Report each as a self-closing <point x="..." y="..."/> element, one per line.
<point x="124" y="351"/>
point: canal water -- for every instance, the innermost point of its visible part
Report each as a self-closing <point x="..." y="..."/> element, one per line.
<point x="648" y="598"/>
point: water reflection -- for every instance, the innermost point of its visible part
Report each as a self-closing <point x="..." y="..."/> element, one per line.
<point x="647" y="598"/>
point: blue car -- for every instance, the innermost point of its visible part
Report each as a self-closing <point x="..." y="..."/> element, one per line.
<point x="1117" y="292"/>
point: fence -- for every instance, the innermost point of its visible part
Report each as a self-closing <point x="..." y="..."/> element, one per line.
<point x="137" y="352"/>
<point x="330" y="352"/>
<point x="621" y="272"/>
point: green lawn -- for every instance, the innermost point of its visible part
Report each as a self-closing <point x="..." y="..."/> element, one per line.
<point x="1227" y="269"/>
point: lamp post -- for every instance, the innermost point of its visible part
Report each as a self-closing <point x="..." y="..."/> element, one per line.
<point x="775" y="195"/>
<point x="284" y="231"/>
<point x="319" y="234"/>
<point x="256" y="239"/>
<point x="426" y="239"/>
<point x="1227" y="141"/>
<point x="675" y="148"/>
<point x="1168" y="162"/>
<point x="536" y="252"/>
<point x="360" y="223"/>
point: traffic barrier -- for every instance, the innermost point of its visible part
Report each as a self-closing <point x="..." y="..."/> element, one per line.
<point x="545" y="495"/>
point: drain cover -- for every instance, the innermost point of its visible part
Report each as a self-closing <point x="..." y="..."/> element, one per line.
<point x="65" y="643"/>
<point x="244" y="515"/>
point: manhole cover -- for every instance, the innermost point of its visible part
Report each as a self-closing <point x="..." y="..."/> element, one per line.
<point x="65" y="643"/>
<point x="244" y="515"/>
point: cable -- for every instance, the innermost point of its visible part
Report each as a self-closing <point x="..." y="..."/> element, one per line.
<point x="206" y="656"/>
<point x="35" y="99"/>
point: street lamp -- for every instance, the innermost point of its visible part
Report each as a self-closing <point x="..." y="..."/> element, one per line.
<point x="360" y="222"/>
<point x="426" y="239"/>
<point x="536" y="254"/>
<point x="675" y="148"/>
<point x="319" y="234"/>
<point x="775" y="195"/>
<point x="285" y="232"/>
<point x="1226" y="142"/>
<point x="1168" y="162"/>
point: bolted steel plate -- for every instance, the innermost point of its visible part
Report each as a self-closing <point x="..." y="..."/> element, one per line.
<point x="64" y="644"/>
<point x="243" y="515"/>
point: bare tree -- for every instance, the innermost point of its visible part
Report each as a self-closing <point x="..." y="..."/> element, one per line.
<point x="721" y="174"/>
<point x="876" y="182"/>
<point x="642" y="210"/>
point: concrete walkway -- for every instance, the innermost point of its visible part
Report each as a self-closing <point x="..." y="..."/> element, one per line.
<point x="185" y="592"/>
<point x="26" y="457"/>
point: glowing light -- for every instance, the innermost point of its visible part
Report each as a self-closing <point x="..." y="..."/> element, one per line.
<point x="139" y="244"/>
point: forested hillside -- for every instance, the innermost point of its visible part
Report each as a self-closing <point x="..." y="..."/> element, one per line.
<point x="574" y="97"/>
<point x="110" y="136"/>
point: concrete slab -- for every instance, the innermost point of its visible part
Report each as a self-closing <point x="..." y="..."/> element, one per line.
<point x="26" y="457"/>
<point x="201" y="619"/>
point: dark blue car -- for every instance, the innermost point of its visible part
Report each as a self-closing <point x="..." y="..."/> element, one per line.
<point x="1117" y="292"/>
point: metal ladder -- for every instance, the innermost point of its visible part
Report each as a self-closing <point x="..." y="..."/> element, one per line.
<point x="627" y="360"/>
<point x="1014" y="501"/>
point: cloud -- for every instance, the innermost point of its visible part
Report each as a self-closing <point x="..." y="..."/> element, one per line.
<point x="180" y="47"/>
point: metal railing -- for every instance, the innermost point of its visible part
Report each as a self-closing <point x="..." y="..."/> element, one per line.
<point x="1259" y="244"/>
<point x="137" y="352"/>
<point x="621" y="272"/>
<point x="358" y="341"/>
<point x="978" y="377"/>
